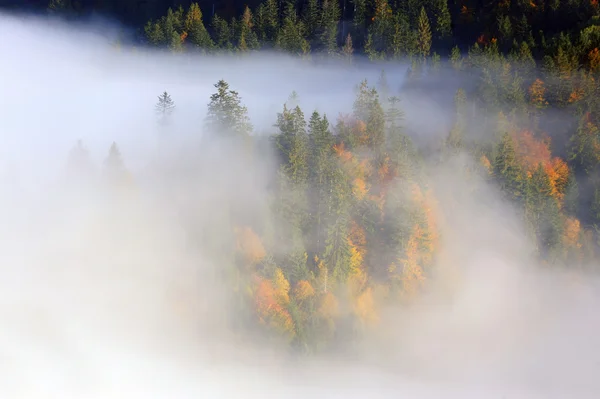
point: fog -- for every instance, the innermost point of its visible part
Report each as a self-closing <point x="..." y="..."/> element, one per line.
<point x="104" y="297"/>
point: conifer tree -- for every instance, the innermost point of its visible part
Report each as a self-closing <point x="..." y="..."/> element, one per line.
<point x="165" y="107"/>
<point x="348" y="49"/>
<point x="329" y="24"/>
<point x="424" y="34"/>
<point x="291" y="36"/>
<point x="507" y="170"/>
<point x="223" y="33"/>
<point x="247" y="37"/>
<point x="454" y="141"/>
<point x="226" y="112"/>
<point x="115" y="172"/>
<point x="195" y="28"/>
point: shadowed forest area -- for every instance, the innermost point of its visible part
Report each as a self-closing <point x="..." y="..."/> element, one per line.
<point x="352" y="216"/>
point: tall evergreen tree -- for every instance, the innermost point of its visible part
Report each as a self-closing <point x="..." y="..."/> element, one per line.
<point x="226" y="112"/>
<point x="194" y="26"/>
<point x="424" y="34"/>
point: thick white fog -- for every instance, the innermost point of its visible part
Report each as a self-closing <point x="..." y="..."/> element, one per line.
<point x="110" y="300"/>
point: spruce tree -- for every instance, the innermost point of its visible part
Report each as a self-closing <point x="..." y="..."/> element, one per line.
<point x="424" y="34"/>
<point x="196" y="30"/>
<point x="226" y="112"/>
<point x="165" y="107"/>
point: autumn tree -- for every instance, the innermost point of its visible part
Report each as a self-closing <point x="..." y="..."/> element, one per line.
<point x="194" y="27"/>
<point x="247" y="39"/>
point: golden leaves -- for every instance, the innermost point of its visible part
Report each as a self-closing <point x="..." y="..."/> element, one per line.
<point x="303" y="290"/>
<point x="249" y="244"/>
<point x="364" y="307"/>
<point x="271" y="300"/>
<point x="537" y="93"/>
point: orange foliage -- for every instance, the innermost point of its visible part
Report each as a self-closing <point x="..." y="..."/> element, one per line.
<point x="576" y="95"/>
<point x="342" y="153"/>
<point x="481" y="39"/>
<point x="270" y="311"/>
<point x="361" y="131"/>
<point x="532" y="151"/>
<point x="485" y="162"/>
<point x="537" y="93"/>
<point x="558" y="172"/>
<point x="183" y="36"/>
<point x="359" y="188"/>
<point x="594" y="58"/>
<point x="249" y="244"/>
<point x="594" y="3"/>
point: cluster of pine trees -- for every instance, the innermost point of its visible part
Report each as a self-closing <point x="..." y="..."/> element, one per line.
<point x="353" y="222"/>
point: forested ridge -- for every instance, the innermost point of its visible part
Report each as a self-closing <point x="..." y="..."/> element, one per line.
<point x="352" y="221"/>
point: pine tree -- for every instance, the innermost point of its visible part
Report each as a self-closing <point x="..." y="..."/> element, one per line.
<point x="247" y="37"/>
<point x="165" y="107"/>
<point x="115" y="171"/>
<point x="291" y="36"/>
<point x="454" y="141"/>
<point x="348" y="49"/>
<point x="321" y="160"/>
<point x="80" y="168"/>
<point x="195" y="28"/>
<point x="292" y="142"/>
<point x="424" y="34"/>
<point x="226" y="112"/>
<point x="507" y="170"/>
<point x="442" y="19"/>
<point x="222" y="32"/>
<point x="329" y="24"/>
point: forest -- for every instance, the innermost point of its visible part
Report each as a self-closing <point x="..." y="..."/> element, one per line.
<point x="352" y="221"/>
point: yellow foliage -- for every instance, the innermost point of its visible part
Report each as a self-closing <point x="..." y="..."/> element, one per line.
<point x="329" y="308"/>
<point x="411" y="273"/>
<point x="364" y="307"/>
<point x="281" y="287"/>
<point x="271" y="311"/>
<point x="303" y="290"/>
<point x="249" y="244"/>
<point x="558" y="172"/>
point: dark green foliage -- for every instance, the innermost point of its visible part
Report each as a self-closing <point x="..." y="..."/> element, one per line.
<point x="226" y="112"/>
